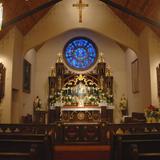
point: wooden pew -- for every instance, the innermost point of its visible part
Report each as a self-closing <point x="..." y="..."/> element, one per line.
<point x="138" y="117"/>
<point x="25" y="147"/>
<point x="144" y="146"/>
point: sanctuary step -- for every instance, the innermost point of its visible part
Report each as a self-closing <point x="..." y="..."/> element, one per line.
<point x="82" y="152"/>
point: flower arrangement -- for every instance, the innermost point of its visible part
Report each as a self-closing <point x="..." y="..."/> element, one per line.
<point x="71" y="96"/>
<point x="152" y="114"/>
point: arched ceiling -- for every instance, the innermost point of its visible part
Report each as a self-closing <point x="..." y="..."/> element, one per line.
<point x="14" y="8"/>
<point x="147" y="8"/>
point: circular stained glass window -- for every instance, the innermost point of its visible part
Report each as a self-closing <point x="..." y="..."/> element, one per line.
<point x="80" y="53"/>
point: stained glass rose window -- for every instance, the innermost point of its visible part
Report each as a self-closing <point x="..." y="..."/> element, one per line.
<point x="80" y="53"/>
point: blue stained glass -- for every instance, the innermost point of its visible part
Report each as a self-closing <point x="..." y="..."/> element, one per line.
<point x="80" y="53"/>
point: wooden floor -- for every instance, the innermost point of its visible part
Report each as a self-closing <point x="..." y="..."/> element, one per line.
<point x="81" y="152"/>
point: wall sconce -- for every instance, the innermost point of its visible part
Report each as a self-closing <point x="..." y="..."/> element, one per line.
<point x="1" y="15"/>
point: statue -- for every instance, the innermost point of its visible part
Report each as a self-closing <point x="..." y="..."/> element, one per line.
<point x="53" y="73"/>
<point x="108" y="71"/>
<point x="59" y="60"/>
<point x="37" y="104"/>
<point x="101" y="82"/>
<point x="81" y="93"/>
<point x="81" y="89"/>
<point x="101" y="58"/>
<point x="123" y="105"/>
<point x="59" y="83"/>
<point x="109" y="96"/>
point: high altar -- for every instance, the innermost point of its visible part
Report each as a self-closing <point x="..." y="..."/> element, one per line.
<point x="82" y="98"/>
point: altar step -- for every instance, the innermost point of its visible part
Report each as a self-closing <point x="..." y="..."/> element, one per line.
<point x="82" y="152"/>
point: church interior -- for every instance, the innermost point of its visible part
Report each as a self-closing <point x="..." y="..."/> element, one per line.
<point x="80" y="79"/>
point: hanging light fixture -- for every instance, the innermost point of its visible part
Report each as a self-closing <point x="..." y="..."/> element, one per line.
<point x="1" y="15"/>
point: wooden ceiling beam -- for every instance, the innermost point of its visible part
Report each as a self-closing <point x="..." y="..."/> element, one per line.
<point x="131" y="13"/>
<point x="30" y="13"/>
<point x="144" y="5"/>
<point x="127" y="2"/>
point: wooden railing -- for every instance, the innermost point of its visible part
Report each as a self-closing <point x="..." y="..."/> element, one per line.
<point x="100" y="133"/>
<point x="27" y="128"/>
<point x="130" y="128"/>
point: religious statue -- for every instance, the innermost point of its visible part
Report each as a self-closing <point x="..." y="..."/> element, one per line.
<point x="53" y="73"/>
<point x="81" y="93"/>
<point x="101" y="57"/>
<point x="59" y="83"/>
<point x="123" y="102"/>
<point x="37" y="103"/>
<point x="123" y="105"/>
<point x="81" y="89"/>
<point x="109" y="96"/>
<point x="108" y="71"/>
<point x="101" y="82"/>
<point x="59" y="60"/>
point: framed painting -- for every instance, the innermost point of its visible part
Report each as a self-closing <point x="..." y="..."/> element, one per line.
<point x="26" y="76"/>
<point x="158" y="79"/>
<point x="2" y="80"/>
<point x="135" y="76"/>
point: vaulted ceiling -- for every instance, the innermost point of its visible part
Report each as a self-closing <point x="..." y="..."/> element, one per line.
<point x="147" y="8"/>
<point x="14" y="8"/>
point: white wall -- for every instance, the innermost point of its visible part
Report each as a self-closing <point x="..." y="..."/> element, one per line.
<point x="27" y="104"/>
<point x="6" y="57"/>
<point x="154" y="55"/>
<point x="97" y="17"/>
<point x="134" y="99"/>
<point x="144" y="71"/>
<point x="54" y="25"/>
<point x="16" y="108"/>
<point x="47" y="55"/>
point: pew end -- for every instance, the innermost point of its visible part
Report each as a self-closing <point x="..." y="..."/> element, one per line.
<point x="144" y="146"/>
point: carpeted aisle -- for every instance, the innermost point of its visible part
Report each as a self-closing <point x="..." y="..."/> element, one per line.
<point x="82" y="152"/>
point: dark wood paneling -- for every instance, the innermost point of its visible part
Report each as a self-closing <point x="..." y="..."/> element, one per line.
<point x="15" y="8"/>
<point x="145" y="8"/>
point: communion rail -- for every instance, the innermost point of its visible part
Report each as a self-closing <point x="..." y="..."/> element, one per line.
<point x="27" y="128"/>
<point x="80" y="133"/>
<point x="130" y="128"/>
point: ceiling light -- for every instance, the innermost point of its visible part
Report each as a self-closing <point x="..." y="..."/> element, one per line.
<point x="1" y="15"/>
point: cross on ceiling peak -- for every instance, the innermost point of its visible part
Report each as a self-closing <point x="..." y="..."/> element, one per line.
<point x="80" y="6"/>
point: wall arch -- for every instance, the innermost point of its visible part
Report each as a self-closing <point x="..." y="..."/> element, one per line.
<point x="97" y="17"/>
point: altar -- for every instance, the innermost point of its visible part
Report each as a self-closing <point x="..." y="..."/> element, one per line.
<point x="86" y="114"/>
<point x="80" y="114"/>
<point x="80" y="98"/>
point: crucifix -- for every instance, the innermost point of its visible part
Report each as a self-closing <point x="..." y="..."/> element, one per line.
<point x="80" y="6"/>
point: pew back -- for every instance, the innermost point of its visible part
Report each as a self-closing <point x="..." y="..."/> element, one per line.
<point x="136" y="147"/>
<point x="25" y="146"/>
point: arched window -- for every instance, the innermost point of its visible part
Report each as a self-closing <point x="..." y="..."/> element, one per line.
<point x="80" y="53"/>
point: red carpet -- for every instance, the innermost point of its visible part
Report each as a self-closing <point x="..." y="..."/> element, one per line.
<point x="81" y="152"/>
